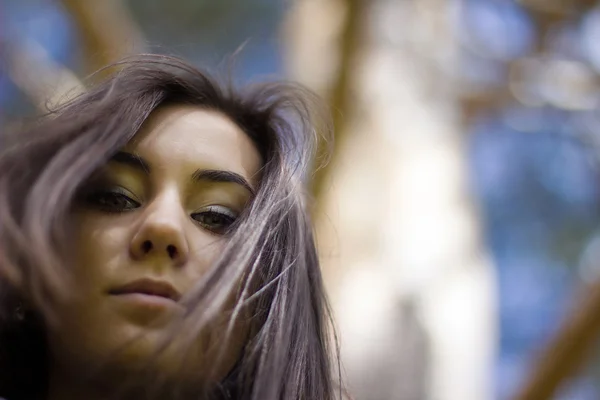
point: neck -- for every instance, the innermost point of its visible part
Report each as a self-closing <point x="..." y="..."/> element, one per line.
<point x="66" y="383"/>
<point x="66" y="386"/>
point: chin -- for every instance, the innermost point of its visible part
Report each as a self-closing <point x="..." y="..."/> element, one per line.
<point x="120" y="348"/>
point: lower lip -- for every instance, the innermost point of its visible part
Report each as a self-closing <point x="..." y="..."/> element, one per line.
<point x="147" y="301"/>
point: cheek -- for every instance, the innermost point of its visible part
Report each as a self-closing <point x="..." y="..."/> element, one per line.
<point x="100" y="246"/>
<point x="88" y="329"/>
<point x="204" y="251"/>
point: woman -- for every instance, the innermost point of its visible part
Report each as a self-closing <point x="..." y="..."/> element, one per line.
<point x="155" y="243"/>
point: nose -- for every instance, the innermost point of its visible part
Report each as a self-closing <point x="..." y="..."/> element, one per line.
<point x="161" y="235"/>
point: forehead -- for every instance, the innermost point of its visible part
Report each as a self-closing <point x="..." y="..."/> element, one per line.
<point x="180" y="135"/>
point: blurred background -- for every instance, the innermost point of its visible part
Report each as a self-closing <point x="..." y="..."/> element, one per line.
<point x="458" y="219"/>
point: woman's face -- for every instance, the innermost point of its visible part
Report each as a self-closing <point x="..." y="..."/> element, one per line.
<point x="149" y="225"/>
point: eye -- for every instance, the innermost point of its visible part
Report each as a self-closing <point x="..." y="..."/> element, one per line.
<point x="114" y="200"/>
<point x="217" y="219"/>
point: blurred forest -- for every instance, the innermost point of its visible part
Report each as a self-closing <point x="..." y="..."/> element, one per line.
<point x="458" y="219"/>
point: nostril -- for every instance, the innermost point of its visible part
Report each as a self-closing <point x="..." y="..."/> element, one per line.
<point x="147" y="246"/>
<point x="172" y="251"/>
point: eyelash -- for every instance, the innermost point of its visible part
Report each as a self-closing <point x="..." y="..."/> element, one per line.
<point x="117" y="201"/>
<point x="225" y="219"/>
<point x="103" y="198"/>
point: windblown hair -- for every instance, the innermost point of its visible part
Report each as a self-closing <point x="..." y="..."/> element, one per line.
<point x="271" y="251"/>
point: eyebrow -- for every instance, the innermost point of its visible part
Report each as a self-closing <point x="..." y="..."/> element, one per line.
<point x="211" y="175"/>
<point x="220" y="176"/>
<point x="133" y="160"/>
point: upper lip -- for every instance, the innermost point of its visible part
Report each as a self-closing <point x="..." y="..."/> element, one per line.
<point x="148" y="286"/>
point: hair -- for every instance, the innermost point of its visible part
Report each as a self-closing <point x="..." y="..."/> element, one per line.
<point x="272" y="252"/>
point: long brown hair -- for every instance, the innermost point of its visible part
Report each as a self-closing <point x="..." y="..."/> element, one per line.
<point x="272" y="251"/>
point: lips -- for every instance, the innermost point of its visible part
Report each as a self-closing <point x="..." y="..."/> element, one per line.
<point x="148" y="287"/>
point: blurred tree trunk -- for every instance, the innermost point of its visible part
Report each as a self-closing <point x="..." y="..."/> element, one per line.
<point x="107" y="29"/>
<point x="44" y="81"/>
<point x="399" y="234"/>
